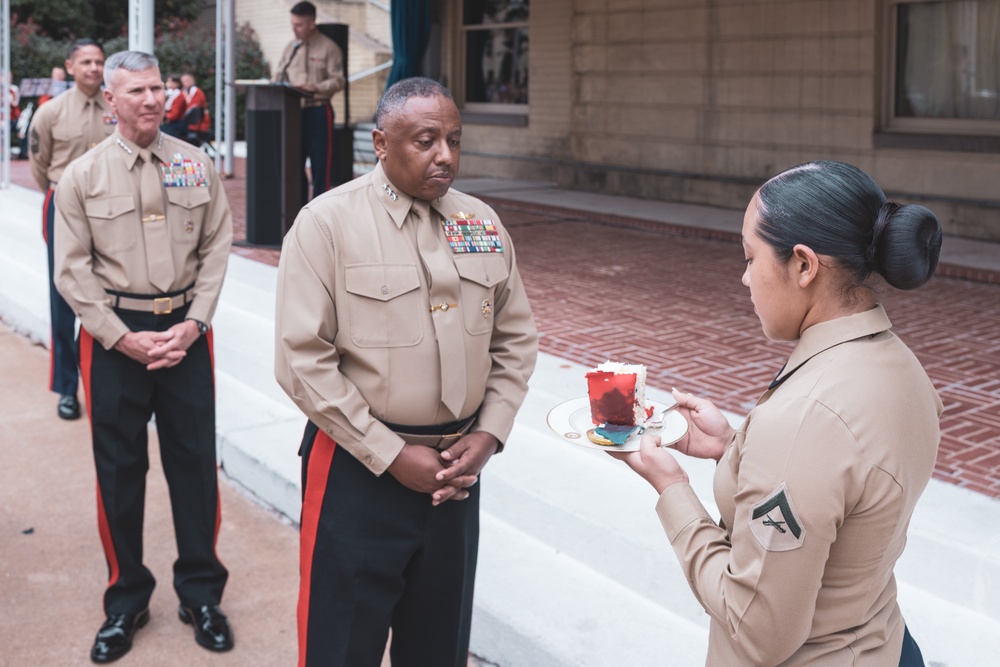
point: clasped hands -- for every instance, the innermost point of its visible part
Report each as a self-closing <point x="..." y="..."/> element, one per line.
<point x="444" y="475"/>
<point x="159" y="349"/>
<point x="709" y="434"/>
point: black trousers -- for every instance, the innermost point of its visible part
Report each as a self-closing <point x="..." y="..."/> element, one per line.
<point x="375" y="555"/>
<point x="317" y="145"/>
<point x="64" y="378"/>
<point x="911" y="655"/>
<point x="121" y="397"/>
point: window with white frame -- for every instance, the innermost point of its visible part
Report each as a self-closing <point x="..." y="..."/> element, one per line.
<point x="943" y="67"/>
<point x="495" y="46"/>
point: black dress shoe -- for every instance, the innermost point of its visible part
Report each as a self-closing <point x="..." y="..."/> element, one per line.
<point x="69" y="407"/>
<point x="211" y="627"/>
<point x="114" y="639"/>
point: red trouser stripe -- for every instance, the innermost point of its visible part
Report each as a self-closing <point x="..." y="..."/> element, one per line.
<point x="45" y="211"/>
<point x="320" y="458"/>
<point x="52" y="334"/>
<point x="329" y="146"/>
<point x="86" y="364"/>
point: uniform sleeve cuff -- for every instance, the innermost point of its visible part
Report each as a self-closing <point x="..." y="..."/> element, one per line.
<point x="678" y="507"/>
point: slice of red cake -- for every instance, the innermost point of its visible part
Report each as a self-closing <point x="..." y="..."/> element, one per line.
<point x="618" y="394"/>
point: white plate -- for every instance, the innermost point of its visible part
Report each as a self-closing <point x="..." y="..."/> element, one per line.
<point x="571" y="421"/>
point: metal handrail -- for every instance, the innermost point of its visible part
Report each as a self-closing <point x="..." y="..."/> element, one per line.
<point x="370" y="71"/>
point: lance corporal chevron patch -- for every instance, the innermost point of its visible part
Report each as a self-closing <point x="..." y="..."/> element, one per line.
<point x="774" y="523"/>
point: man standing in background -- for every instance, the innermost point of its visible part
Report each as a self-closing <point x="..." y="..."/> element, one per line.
<point x="314" y="63"/>
<point x="143" y="233"/>
<point x="62" y="130"/>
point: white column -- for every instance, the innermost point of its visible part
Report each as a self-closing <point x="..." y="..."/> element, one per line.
<point x="220" y="76"/>
<point x="230" y="130"/>
<point x="6" y="78"/>
<point x="140" y="25"/>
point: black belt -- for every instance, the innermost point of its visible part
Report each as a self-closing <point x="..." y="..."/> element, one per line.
<point x="158" y="304"/>
<point x="438" y="436"/>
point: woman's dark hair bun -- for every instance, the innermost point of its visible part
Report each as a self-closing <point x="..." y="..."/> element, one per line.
<point x="906" y="245"/>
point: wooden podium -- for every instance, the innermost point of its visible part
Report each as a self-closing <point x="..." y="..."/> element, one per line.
<point x="274" y="160"/>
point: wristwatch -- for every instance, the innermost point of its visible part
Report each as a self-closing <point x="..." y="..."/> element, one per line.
<point x="202" y="327"/>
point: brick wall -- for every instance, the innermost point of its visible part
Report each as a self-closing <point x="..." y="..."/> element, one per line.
<point x="701" y="101"/>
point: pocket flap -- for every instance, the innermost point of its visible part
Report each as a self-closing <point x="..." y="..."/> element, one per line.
<point x="484" y="270"/>
<point x="381" y="281"/>
<point x="188" y="197"/>
<point x="106" y="208"/>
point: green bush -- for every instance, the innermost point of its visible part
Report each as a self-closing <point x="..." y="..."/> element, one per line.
<point x="179" y="48"/>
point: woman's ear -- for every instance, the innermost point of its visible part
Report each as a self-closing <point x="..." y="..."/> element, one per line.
<point x="804" y="265"/>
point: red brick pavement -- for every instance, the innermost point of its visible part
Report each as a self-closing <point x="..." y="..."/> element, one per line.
<point x="607" y="287"/>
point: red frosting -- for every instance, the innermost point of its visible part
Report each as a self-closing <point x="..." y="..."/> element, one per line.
<point x="612" y="397"/>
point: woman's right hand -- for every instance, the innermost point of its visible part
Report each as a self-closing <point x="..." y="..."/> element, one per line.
<point x="709" y="432"/>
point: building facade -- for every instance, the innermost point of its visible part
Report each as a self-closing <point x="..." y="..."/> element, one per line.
<point x="700" y="101"/>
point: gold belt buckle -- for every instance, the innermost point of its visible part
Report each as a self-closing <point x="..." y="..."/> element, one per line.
<point x="164" y="305"/>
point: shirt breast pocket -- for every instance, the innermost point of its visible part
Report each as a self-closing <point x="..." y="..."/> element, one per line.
<point x="384" y="304"/>
<point x="187" y="213"/>
<point x="480" y="274"/>
<point x="66" y="132"/>
<point x="113" y="224"/>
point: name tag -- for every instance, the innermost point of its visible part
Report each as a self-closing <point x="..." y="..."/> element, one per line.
<point x="182" y="172"/>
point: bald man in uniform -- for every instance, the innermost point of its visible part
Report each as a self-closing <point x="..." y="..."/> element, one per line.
<point x="313" y="62"/>
<point x="61" y="131"/>
<point x="405" y="335"/>
<point x="143" y="232"/>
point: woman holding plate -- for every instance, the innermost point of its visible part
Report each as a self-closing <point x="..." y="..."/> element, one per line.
<point x="817" y="487"/>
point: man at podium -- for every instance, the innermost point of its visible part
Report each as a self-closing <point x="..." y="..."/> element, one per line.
<point x="312" y="62"/>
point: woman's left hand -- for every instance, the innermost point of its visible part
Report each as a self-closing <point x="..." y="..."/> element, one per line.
<point x="653" y="463"/>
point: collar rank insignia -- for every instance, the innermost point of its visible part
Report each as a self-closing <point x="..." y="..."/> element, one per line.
<point x="110" y="118"/>
<point x="182" y="172"/>
<point x="774" y="523"/>
<point x="389" y="191"/>
<point x="465" y="235"/>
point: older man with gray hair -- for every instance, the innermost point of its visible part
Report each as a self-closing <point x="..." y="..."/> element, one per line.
<point x="142" y="238"/>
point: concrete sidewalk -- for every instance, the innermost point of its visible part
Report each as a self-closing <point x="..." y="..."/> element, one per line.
<point x="53" y="570"/>
<point x="574" y="568"/>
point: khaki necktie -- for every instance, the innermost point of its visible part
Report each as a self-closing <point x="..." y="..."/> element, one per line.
<point x="159" y="260"/>
<point x="444" y="308"/>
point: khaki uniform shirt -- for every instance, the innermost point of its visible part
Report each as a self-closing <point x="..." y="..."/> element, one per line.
<point x="355" y="339"/>
<point x="816" y="493"/>
<point x="99" y="241"/>
<point x="63" y="129"/>
<point x="318" y="61"/>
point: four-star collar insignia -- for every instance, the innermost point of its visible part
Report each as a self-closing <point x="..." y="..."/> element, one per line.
<point x="774" y="523"/>
<point x="389" y="191"/>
